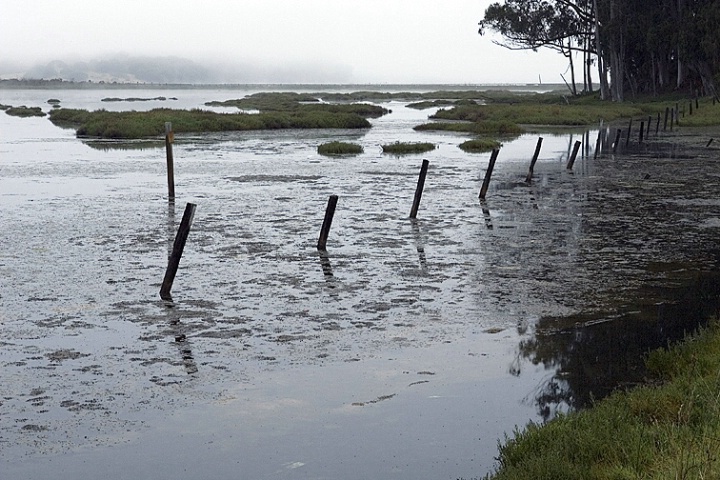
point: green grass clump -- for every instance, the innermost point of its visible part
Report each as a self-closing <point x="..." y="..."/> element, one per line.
<point x="299" y="102"/>
<point x="133" y="124"/>
<point x="25" y="111"/>
<point x="479" y="145"/>
<point x="399" y="148"/>
<point x="339" y="148"/>
<point x="669" y="430"/>
<point x="486" y="127"/>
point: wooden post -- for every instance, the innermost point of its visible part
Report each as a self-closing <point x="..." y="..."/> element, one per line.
<point x="571" y="162"/>
<point x="327" y="222"/>
<point x="627" y="140"/>
<point x="617" y="140"/>
<point x="667" y="113"/>
<point x="673" y="112"/>
<point x="690" y="110"/>
<point x="709" y="142"/>
<point x="178" y="247"/>
<point x="486" y="180"/>
<point x="169" y="138"/>
<point x="657" y="125"/>
<point x="419" y="189"/>
<point x="649" y="123"/>
<point x="528" y="179"/>
<point x="642" y="131"/>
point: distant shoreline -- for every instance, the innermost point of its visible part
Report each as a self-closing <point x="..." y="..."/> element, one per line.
<point x="58" y="84"/>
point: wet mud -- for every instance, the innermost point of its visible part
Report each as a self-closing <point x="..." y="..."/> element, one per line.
<point x="569" y="267"/>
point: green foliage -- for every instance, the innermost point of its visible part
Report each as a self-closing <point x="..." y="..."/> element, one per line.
<point x="670" y="430"/>
<point x="129" y="125"/>
<point x="24" y="111"/>
<point x="399" y="148"/>
<point x="339" y="148"/>
<point x="479" y="145"/>
<point x="299" y="102"/>
<point x="479" y="127"/>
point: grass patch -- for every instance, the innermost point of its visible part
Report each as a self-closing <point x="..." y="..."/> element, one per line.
<point x="487" y="127"/>
<point x="133" y="124"/>
<point x="339" y="148"/>
<point x="299" y="102"/>
<point x="401" y="148"/>
<point x="479" y="145"/>
<point x="24" y="111"/>
<point x="670" y="430"/>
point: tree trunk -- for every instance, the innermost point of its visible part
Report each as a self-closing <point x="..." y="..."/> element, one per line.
<point x="602" y="71"/>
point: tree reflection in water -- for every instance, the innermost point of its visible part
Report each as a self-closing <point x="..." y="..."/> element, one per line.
<point x="594" y="354"/>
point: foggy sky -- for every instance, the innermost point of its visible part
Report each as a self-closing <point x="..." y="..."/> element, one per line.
<point x="346" y="41"/>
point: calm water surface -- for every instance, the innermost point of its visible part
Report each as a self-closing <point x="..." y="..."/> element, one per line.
<point x="407" y="351"/>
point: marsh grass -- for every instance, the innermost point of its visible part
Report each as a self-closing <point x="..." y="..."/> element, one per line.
<point x="339" y="148"/>
<point x="667" y="430"/>
<point x="478" y="127"/>
<point x="402" y="148"/>
<point x="299" y="102"/>
<point x="136" y="125"/>
<point x="479" y="145"/>
<point x="24" y="111"/>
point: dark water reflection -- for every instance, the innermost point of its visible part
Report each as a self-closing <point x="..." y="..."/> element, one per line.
<point x="595" y="354"/>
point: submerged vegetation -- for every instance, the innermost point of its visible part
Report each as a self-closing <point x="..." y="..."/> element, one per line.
<point x="399" y="148"/>
<point x="23" y="111"/>
<point x="667" y="430"/>
<point x="129" y="125"/>
<point x="339" y="148"/>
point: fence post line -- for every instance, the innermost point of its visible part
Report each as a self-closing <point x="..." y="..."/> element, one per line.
<point x="576" y="147"/>
<point x="178" y="247"/>
<point x="327" y="222"/>
<point x="169" y="138"/>
<point x="419" y="189"/>
<point x="488" y="174"/>
<point x="528" y="179"/>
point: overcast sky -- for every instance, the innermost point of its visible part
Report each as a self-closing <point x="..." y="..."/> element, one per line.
<point x="368" y="41"/>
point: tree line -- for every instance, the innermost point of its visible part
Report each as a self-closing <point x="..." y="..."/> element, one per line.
<point x="628" y="47"/>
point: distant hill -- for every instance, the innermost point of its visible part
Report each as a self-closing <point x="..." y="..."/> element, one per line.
<point x="177" y="70"/>
<point x="125" y="69"/>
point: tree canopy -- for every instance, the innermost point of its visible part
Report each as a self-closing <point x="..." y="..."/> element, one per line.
<point x="635" y="46"/>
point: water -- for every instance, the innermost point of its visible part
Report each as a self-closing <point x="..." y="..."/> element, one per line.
<point x="407" y="351"/>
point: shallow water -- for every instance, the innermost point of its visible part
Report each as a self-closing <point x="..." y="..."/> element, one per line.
<point x="406" y="351"/>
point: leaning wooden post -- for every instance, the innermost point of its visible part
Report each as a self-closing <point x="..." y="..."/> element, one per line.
<point x="178" y="247"/>
<point x="169" y="138"/>
<point x="488" y="174"/>
<point x="528" y="179"/>
<point x="419" y="189"/>
<point x="627" y="140"/>
<point x="571" y="162"/>
<point x="327" y="222"/>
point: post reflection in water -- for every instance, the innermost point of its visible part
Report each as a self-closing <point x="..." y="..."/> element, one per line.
<point x="419" y="244"/>
<point x="487" y="216"/>
<point x="593" y="355"/>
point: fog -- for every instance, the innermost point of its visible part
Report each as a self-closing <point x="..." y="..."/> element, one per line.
<point x="313" y="41"/>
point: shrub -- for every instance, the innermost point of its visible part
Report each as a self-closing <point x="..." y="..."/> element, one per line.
<point x="479" y="145"/>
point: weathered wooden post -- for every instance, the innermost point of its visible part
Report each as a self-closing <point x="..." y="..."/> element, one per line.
<point x="642" y="131"/>
<point x="169" y="138"/>
<point x="571" y="162"/>
<point x="627" y="140"/>
<point x="327" y="222"/>
<point x="709" y="142"/>
<point x="657" y="125"/>
<point x="690" y="109"/>
<point x="528" y="179"/>
<point x="617" y="140"/>
<point x="648" y="124"/>
<point x="178" y="247"/>
<point x="488" y="174"/>
<point x="419" y="189"/>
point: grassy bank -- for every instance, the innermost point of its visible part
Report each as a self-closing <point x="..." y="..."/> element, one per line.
<point x="670" y="429"/>
<point x="130" y="125"/>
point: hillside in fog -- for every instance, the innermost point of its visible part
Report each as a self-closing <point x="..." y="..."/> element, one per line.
<point x="171" y="69"/>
